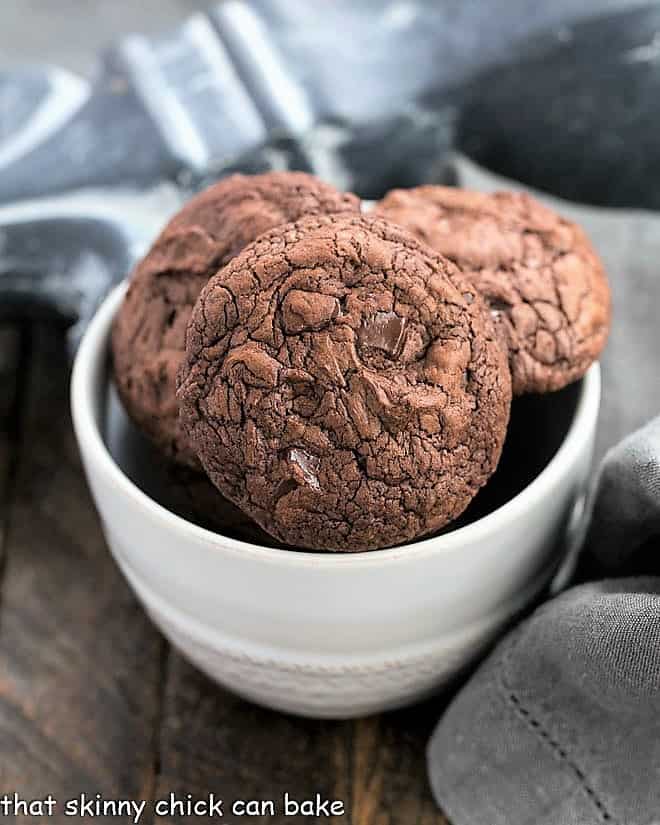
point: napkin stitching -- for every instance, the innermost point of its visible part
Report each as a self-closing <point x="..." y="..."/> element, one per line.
<point x="545" y="736"/>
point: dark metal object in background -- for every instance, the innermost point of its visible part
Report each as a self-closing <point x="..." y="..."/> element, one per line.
<point x="334" y="89"/>
<point x="577" y="114"/>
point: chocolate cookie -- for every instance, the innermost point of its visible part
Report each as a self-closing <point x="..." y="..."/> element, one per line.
<point x="343" y="385"/>
<point x="148" y="336"/>
<point x="538" y="272"/>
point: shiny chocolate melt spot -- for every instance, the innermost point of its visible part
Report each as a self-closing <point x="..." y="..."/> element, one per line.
<point x="384" y="331"/>
<point x="307" y="464"/>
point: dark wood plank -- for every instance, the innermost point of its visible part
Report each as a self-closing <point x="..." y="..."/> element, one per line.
<point x="10" y="353"/>
<point x="389" y="784"/>
<point x="211" y="740"/>
<point x="79" y="662"/>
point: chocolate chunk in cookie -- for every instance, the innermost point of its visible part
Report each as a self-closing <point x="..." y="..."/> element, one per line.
<point x="538" y="272"/>
<point x="343" y="385"/>
<point x="149" y="332"/>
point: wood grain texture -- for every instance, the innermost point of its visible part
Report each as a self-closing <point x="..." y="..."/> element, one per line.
<point x="211" y="740"/>
<point x="389" y="784"/>
<point x="10" y="352"/>
<point x="79" y="662"/>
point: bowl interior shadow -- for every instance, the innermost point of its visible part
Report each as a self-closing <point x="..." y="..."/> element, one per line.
<point x="538" y="426"/>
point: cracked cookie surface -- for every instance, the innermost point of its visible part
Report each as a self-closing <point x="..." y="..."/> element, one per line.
<point x="148" y="336"/>
<point x="343" y="385"/>
<point x="539" y="274"/>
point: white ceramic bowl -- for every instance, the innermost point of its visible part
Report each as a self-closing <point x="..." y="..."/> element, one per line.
<point x="321" y="634"/>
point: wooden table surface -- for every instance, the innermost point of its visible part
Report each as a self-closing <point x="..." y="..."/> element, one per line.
<point x="92" y="699"/>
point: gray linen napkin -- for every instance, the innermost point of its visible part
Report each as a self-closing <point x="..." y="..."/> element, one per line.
<point x="624" y="531"/>
<point x="561" y="724"/>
